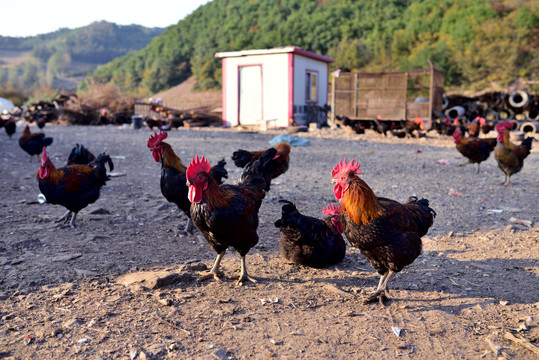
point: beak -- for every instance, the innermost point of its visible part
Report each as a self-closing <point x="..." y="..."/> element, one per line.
<point x="187" y="183"/>
<point x="333" y="181"/>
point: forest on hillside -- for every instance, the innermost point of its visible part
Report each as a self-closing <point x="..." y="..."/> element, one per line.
<point x="476" y="43"/>
<point x="59" y="54"/>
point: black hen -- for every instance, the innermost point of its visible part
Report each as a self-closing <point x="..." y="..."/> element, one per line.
<point x="309" y="241"/>
<point x="10" y="127"/>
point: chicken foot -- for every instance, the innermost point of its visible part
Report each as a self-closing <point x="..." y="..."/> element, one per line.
<point x="382" y="292"/>
<point x="65" y="219"/>
<point x="243" y="274"/>
<point x="214" y="272"/>
<point x="188" y="229"/>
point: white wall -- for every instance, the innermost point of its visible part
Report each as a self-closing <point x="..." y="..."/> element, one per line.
<point x="274" y="87"/>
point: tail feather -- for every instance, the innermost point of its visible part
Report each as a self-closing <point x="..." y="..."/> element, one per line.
<point x="47" y="141"/>
<point x="527" y="143"/>
<point x="218" y="172"/>
<point x="80" y="155"/>
<point x="289" y="215"/>
<point x="257" y="173"/>
<point x="242" y="158"/>
<point x="101" y="160"/>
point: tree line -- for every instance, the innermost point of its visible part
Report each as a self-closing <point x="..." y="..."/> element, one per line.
<point x="476" y="43"/>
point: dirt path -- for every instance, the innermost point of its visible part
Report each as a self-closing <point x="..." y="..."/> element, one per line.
<point x="63" y="295"/>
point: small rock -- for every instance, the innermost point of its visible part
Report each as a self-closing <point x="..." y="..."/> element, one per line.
<point x="220" y="354"/>
<point x="27" y="244"/>
<point x="83" y="341"/>
<point x="66" y="257"/>
<point x="100" y="211"/>
<point x="71" y="322"/>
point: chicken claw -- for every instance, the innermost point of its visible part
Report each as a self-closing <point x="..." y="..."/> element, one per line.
<point x="243" y="278"/>
<point x="381" y="295"/>
<point x="209" y="275"/>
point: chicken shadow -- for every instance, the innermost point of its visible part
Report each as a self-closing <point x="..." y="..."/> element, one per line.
<point x="492" y="280"/>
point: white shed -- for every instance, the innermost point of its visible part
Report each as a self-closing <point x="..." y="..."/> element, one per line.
<point x="273" y="87"/>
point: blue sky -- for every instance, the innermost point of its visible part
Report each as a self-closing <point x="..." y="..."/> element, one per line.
<point x="33" y="17"/>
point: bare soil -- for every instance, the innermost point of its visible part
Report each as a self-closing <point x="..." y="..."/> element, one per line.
<point x="123" y="284"/>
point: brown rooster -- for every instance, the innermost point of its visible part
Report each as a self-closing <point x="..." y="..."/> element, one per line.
<point x="72" y="186"/>
<point x="309" y="241"/>
<point x="387" y="232"/>
<point x="278" y="165"/>
<point x="227" y="215"/>
<point x="33" y="143"/>
<point x="510" y="157"/>
<point x="476" y="150"/>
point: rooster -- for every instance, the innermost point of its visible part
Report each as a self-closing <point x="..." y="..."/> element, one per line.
<point x="510" y="157"/>
<point x="387" y="232"/>
<point x="380" y="126"/>
<point x="33" y="143"/>
<point x="278" y="165"/>
<point x="474" y="127"/>
<point x="80" y="155"/>
<point x="227" y="215"/>
<point x="173" y="178"/>
<point x="474" y="149"/>
<point x="416" y="125"/>
<point x="310" y="241"/>
<point x="72" y="186"/>
<point x="10" y="126"/>
<point x="41" y="121"/>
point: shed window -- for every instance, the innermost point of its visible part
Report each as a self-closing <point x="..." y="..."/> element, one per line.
<point x="312" y="87"/>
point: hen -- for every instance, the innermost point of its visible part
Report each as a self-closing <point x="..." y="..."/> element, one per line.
<point x="278" y="165"/>
<point x="72" y="186"/>
<point x="476" y="150"/>
<point x="310" y="241"/>
<point x="227" y="215"/>
<point x="10" y="126"/>
<point x="80" y="155"/>
<point x="387" y="232"/>
<point x="173" y="178"/>
<point x="510" y="157"/>
<point x="33" y="143"/>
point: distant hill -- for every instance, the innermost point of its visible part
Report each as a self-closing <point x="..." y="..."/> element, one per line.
<point x="477" y="43"/>
<point x="62" y="58"/>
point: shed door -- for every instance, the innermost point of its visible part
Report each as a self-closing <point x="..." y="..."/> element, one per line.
<point x="250" y="102"/>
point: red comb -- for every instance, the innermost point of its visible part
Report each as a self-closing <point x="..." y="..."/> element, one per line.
<point x="504" y="125"/>
<point x="157" y="138"/>
<point x="196" y="166"/>
<point x="344" y="167"/>
<point x="331" y="209"/>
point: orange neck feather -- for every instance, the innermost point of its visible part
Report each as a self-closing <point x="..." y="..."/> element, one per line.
<point x="171" y="160"/>
<point x="359" y="202"/>
<point x="54" y="175"/>
<point x="216" y="196"/>
<point x="507" y="141"/>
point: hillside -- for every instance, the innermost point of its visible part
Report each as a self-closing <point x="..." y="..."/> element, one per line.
<point x="63" y="58"/>
<point x="477" y="43"/>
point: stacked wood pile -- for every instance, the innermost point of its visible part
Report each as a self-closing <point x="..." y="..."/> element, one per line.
<point x="167" y="117"/>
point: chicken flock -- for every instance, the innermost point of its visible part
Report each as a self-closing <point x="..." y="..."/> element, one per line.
<point x="388" y="233"/>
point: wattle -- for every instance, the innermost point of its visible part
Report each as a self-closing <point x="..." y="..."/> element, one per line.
<point x="337" y="190"/>
<point x="156" y="155"/>
<point x="195" y="194"/>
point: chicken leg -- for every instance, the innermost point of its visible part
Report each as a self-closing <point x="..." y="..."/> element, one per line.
<point x="243" y="273"/>
<point x="381" y="291"/>
<point x="188" y="229"/>
<point x="214" y="272"/>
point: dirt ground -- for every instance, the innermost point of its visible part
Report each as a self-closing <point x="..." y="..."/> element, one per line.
<point x="122" y="285"/>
